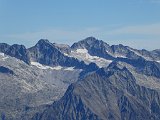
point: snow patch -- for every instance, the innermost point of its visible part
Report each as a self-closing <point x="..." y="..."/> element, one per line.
<point x="44" y="67"/>
<point x="69" y="68"/>
<point x="82" y="54"/>
<point x="120" y="56"/>
<point x="3" y="57"/>
<point x="40" y="66"/>
<point x="65" y="54"/>
<point x="82" y="51"/>
<point x="57" y="68"/>
<point x="2" y="54"/>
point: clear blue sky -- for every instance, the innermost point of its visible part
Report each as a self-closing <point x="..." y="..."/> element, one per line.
<point x="130" y="22"/>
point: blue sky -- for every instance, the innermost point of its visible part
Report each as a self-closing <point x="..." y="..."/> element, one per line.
<point x="135" y="23"/>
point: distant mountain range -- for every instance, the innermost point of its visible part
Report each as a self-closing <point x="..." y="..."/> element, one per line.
<point x="89" y="80"/>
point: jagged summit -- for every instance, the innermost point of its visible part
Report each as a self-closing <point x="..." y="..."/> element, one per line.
<point x="90" y="39"/>
<point x="44" y="42"/>
<point x="17" y="51"/>
<point x="4" y="47"/>
<point x="88" y="43"/>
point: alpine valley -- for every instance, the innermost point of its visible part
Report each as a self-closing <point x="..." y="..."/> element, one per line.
<point x="89" y="80"/>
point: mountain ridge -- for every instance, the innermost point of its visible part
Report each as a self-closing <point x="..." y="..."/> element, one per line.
<point x="88" y="80"/>
<point x="94" y="46"/>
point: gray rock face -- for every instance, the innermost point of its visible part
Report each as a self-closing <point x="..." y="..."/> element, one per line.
<point x="4" y="47"/>
<point x="156" y="53"/>
<point x="124" y="51"/>
<point x="110" y="94"/>
<point x="149" y="68"/>
<point x="47" y="53"/>
<point x="17" y="51"/>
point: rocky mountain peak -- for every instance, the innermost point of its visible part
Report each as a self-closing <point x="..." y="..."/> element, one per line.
<point x="90" y="39"/>
<point x="87" y="43"/>
<point x="44" y="42"/>
<point x="4" y="47"/>
<point x="18" y="51"/>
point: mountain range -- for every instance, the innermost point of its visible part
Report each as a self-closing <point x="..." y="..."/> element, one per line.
<point x="89" y="80"/>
